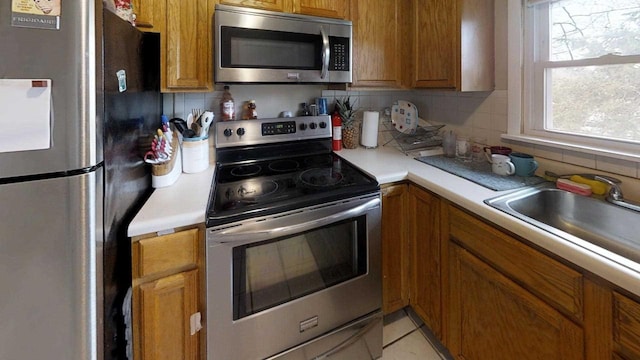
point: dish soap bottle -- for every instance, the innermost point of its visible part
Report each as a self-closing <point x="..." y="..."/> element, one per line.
<point x="227" y="105"/>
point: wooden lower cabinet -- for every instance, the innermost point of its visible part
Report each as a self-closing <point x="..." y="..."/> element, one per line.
<point x="488" y="294"/>
<point x="626" y="327"/>
<point x="167" y="305"/>
<point x="426" y="287"/>
<point x="492" y="317"/>
<point x="395" y="248"/>
<point x="167" y="301"/>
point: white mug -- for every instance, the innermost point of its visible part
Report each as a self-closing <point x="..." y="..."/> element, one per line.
<point x="502" y="165"/>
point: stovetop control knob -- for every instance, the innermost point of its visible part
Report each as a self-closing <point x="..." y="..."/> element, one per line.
<point x="228" y="132"/>
<point x="240" y="131"/>
<point x="303" y="126"/>
<point x="323" y="125"/>
<point x="312" y="126"/>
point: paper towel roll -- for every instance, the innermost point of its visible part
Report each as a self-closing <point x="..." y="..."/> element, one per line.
<point x="370" y="129"/>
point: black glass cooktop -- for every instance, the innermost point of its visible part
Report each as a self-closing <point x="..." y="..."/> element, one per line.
<point x="266" y="187"/>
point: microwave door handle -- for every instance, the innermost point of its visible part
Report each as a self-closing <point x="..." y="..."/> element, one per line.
<point x="325" y="53"/>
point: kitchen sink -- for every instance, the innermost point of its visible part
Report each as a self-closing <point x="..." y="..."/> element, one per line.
<point x="570" y="215"/>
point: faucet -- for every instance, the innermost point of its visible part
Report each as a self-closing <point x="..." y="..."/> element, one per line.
<point x="614" y="195"/>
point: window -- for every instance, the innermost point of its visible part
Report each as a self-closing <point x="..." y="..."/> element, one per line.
<point x="580" y="84"/>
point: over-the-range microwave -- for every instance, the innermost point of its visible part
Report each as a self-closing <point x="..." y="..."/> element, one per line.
<point x="257" y="46"/>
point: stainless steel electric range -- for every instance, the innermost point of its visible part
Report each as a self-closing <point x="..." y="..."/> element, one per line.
<point x="293" y="246"/>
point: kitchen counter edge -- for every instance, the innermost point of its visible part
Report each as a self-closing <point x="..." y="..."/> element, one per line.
<point x="389" y="165"/>
<point x="184" y="204"/>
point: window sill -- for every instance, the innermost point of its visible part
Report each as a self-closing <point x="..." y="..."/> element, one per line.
<point x="578" y="147"/>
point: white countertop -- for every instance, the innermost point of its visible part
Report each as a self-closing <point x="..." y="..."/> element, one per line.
<point x="178" y="205"/>
<point x="184" y="204"/>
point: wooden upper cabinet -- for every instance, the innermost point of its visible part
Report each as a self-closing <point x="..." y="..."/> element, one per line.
<point x="448" y="55"/>
<point x="271" y="5"/>
<point x="435" y="37"/>
<point x="185" y="41"/>
<point x="149" y="14"/>
<point x="186" y="44"/>
<point x="338" y="9"/>
<point x="379" y="40"/>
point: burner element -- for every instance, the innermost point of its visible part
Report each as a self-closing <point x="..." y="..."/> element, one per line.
<point x="319" y="160"/>
<point x="320" y="177"/>
<point x="283" y="165"/>
<point x="245" y="170"/>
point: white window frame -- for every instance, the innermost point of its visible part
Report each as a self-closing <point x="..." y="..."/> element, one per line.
<point x="525" y="116"/>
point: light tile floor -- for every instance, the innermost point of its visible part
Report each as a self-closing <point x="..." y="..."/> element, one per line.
<point x="405" y="337"/>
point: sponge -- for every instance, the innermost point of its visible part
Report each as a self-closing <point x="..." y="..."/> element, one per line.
<point x="574" y="187"/>
<point x="597" y="187"/>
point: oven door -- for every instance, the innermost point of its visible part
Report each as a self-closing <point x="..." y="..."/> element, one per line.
<point x="277" y="282"/>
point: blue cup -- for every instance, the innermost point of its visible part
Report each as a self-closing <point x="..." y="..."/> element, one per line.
<point x="321" y="103"/>
<point x="524" y="163"/>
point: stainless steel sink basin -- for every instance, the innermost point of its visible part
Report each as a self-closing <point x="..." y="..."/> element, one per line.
<point x="566" y="214"/>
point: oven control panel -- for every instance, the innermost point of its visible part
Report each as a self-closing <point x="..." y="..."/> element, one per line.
<point x="278" y="128"/>
<point x="266" y="131"/>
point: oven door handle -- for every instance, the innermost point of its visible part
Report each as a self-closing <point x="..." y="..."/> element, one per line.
<point x="291" y="224"/>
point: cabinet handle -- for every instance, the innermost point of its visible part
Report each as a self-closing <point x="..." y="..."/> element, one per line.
<point x="195" y="320"/>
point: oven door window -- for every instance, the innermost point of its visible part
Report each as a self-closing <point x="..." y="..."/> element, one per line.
<point x="273" y="272"/>
<point x="263" y="49"/>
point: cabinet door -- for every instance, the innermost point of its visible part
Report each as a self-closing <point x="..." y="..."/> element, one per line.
<point x="425" y="294"/>
<point x="395" y="255"/>
<point x="149" y="14"/>
<point x="494" y="318"/>
<point x="380" y="42"/>
<point x="338" y="9"/>
<point x="166" y="308"/>
<point x="626" y="326"/>
<point x="272" y="5"/>
<point x="186" y="54"/>
<point x="436" y="43"/>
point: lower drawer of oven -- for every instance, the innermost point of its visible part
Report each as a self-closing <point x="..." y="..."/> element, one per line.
<point x="360" y="339"/>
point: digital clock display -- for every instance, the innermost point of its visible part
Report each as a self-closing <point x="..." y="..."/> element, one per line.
<point x="279" y="128"/>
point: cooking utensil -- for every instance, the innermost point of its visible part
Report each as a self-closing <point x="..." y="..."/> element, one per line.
<point x="205" y="122"/>
<point x="180" y="125"/>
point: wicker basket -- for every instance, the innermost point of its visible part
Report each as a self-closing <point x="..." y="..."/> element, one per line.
<point x="166" y="167"/>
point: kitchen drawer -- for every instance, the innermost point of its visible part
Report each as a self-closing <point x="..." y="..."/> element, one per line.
<point x="626" y="326"/>
<point x="548" y="279"/>
<point x="164" y="253"/>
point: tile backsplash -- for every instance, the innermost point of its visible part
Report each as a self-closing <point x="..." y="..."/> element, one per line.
<point x="479" y="114"/>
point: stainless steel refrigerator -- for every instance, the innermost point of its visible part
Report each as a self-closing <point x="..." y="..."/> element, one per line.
<point x="64" y="255"/>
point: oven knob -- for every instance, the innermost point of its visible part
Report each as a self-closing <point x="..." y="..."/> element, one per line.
<point x="303" y="126"/>
<point x="323" y="124"/>
<point x="228" y="132"/>
<point x="312" y="126"/>
<point x="240" y="131"/>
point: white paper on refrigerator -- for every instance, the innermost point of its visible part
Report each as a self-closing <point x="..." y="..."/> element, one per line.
<point x="25" y="114"/>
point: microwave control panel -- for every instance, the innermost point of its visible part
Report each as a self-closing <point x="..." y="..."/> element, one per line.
<point x="339" y="59"/>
